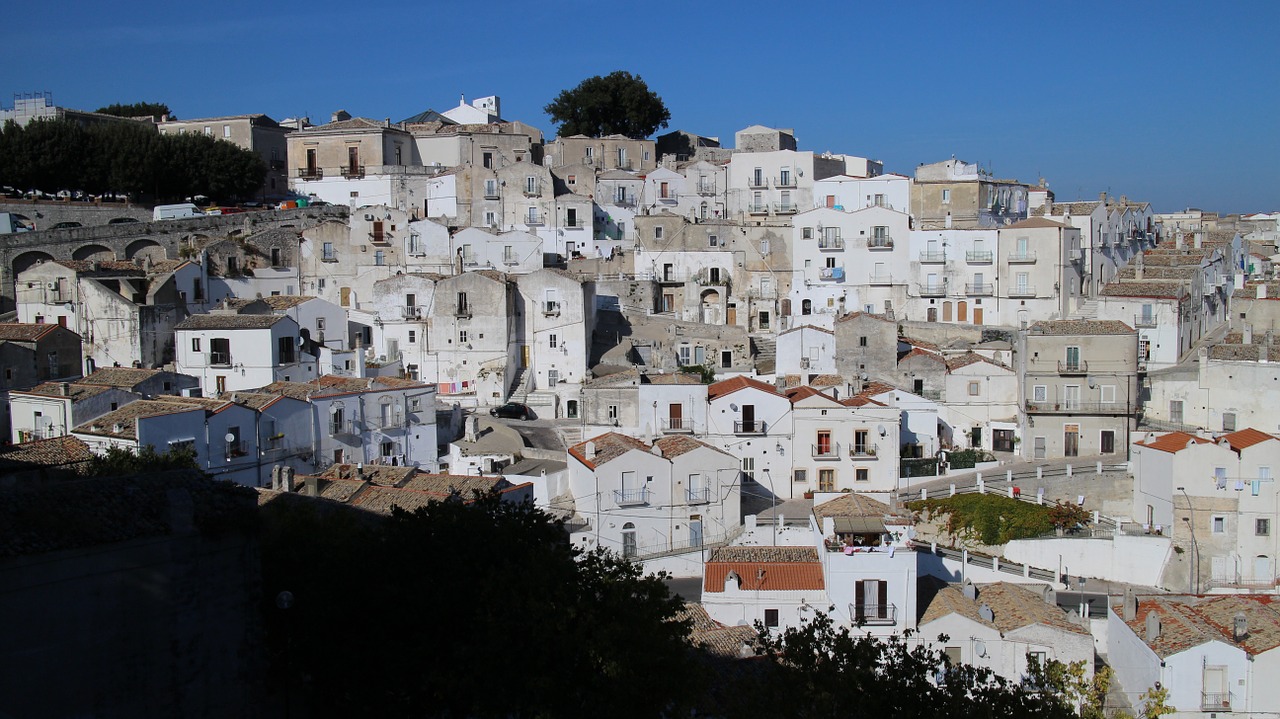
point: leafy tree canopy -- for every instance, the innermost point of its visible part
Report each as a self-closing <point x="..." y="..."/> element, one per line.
<point x="120" y="462"/>
<point x="138" y="109"/>
<point x="617" y="104"/>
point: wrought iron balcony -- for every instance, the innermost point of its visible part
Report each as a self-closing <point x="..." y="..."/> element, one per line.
<point x="533" y="190"/>
<point x="785" y="208"/>
<point x="343" y="427"/>
<point x="1215" y="702"/>
<point x="754" y="427"/>
<point x="874" y="614"/>
<point x="932" y="258"/>
<point x="353" y="171"/>
<point x="551" y="308"/>
<point x="934" y="290"/>
<point x="310" y="173"/>
<point x="706" y="188"/>
<point x="1022" y="291"/>
<point x="1022" y="257"/>
<point x="534" y="218"/>
<point x="760" y="209"/>
<point x="978" y="257"/>
<point x="1076" y="367"/>
<point x="491" y="193"/>
<point x="411" y="312"/>
<point x="862" y="452"/>
<point x="329" y="257"/>
<point x="979" y="289"/>
<point x="1144" y="321"/>
<point x="698" y="496"/>
<point x="880" y="243"/>
<point x="1074" y="407"/>
<point x="238" y="448"/>
<point x="630" y="497"/>
<point x="759" y="182"/>
<point x="831" y="274"/>
<point x="463" y="311"/>
<point x="677" y="425"/>
<point x="881" y="279"/>
<point x="786" y="181"/>
<point x="220" y="359"/>
<point x="380" y="238"/>
<point x="826" y="451"/>
<point x="831" y="243"/>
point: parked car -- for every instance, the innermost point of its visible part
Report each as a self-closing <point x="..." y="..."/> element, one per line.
<point x="120" y="220"/>
<point x="512" y="410"/>
<point x="65" y="225"/>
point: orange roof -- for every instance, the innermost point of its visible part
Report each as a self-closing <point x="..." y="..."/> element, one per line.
<point x="733" y="384"/>
<point x="1246" y="437"/>
<point x="765" y="568"/>
<point x="1174" y="442"/>
<point x="608" y="446"/>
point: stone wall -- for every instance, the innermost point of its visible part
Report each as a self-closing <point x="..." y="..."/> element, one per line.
<point x="47" y="214"/>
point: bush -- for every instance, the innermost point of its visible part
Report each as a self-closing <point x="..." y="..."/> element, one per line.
<point x="988" y="518"/>
<point x="968" y="458"/>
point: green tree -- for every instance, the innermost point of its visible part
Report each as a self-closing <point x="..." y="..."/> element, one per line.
<point x="617" y="104"/>
<point x="138" y="109"/>
<point x="120" y="462"/>
<point x="479" y="609"/>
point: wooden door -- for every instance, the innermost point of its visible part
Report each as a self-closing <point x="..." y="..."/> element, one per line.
<point x="731" y="315"/>
<point x="675" y="416"/>
<point x="962" y="312"/>
<point x="524" y="356"/>
<point x="1071" y="441"/>
<point x="946" y="311"/>
<point x="977" y="315"/>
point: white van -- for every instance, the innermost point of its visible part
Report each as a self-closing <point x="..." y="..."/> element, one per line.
<point x="174" y="212"/>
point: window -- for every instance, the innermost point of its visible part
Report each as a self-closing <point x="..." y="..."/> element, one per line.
<point x="320" y="283"/>
<point x="462" y="337"/>
<point x="860" y="441"/>
<point x="555" y="342"/>
<point x="657" y="233"/>
<point x="1107" y="441"/>
<point x="208" y="130"/>
<point x="946" y="195"/>
<point x="220" y="383"/>
<point x="1219" y="524"/>
<point x="806" y="233"/>
<point x="1175" y="411"/>
<point x="862" y="474"/>
<point x="1262" y="526"/>
<point x="487" y="160"/>
<point x="764" y="247"/>
<point x="531" y="185"/>
<point x="285" y="350"/>
<point x="379" y="258"/>
<point x="1040" y="393"/>
<point x="490" y="188"/>
<point x="713" y="241"/>
<point x="613" y="411"/>
<point x="1108" y="393"/>
<point x="826" y="480"/>
<point x="571" y="180"/>
<point x="490" y="218"/>
<point x="1228" y="421"/>
<point x="413" y="336"/>
<point x="771" y="618"/>
<point x="862" y="341"/>
<point x="974" y="388"/>
<point x="749" y="467"/>
<point x="726" y="358"/>
<point x="195" y="344"/>
<point x="226" y="131"/>
<point x="800" y="475"/>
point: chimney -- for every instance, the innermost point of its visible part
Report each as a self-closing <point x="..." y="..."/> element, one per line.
<point x="1153" y="626"/>
<point x="1262" y="290"/>
<point x="1199" y="240"/>
<point x="1124" y="199"/>
<point x="970" y="591"/>
<point x="656" y="451"/>
<point x="1138" y="271"/>
<point x="985" y="612"/>
<point x="1102" y="197"/>
<point x="64" y="389"/>
<point x="590" y="450"/>
<point x="313" y="486"/>
<point x="1130" y="609"/>
<point x="780" y="384"/>
<point x="360" y="471"/>
<point x="1240" y="627"/>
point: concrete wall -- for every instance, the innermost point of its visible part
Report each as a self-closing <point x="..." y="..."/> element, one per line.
<point x="1131" y="559"/>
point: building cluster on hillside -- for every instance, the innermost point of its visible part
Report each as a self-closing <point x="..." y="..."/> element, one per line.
<point x="697" y="327"/>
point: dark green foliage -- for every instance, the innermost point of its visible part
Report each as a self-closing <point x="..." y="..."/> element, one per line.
<point x="821" y="670"/>
<point x="968" y="458"/>
<point x="705" y="371"/>
<point x="119" y="462"/>
<point x="465" y="610"/>
<point x="920" y="467"/>
<point x="125" y="158"/>
<point x="1064" y="516"/>
<point x="989" y="518"/>
<point x="617" y="104"/>
<point x="138" y="109"/>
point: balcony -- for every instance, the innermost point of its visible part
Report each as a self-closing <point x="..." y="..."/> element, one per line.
<point x="462" y="312"/>
<point x="624" y="200"/>
<point x="1073" y="407"/>
<point x="758" y="182"/>
<point x="1215" y="702"/>
<point x="826" y="451"/>
<point x="535" y="218"/>
<point x="784" y="208"/>
<point x="469" y="260"/>
<point x="671" y="277"/>
<point x="932" y="258"/>
<point x="532" y="190"/>
<point x="677" y="425"/>
<point x="380" y="238"/>
<point x="706" y="188"/>
<point x="834" y="274"/>
<point x="863" y="452"/>
<point x="1022" y="258"/>
<point x="219" y="359"/>
<point x="874" y="614"/>
<point x="343" y="427"/>
<point x="411" y="312"/>
<point x="329" y="256"/>
<point x="551" y="308"/>
<point x="880" y="279"/>
<point x="831" y="244"/>
<point x="1022" y="291"/>
<point x="978" y="257"/>
<point x="880" y="243"/>
<point x="233" y="450"/>
<point x="630" y="497"/>
<point x="668" y="199"/>
<point x="753" y="427"/>
<point x="1076" y="255"/>
<point x="310" y="173"/>
<point x="1144" y="321"/>
<point x="754" y="209"/>
<point x="937" y="290"/>
<point x="1073" y="367"/>
<point x="575" y="223"/>
<point x="510" y="260"/>
<point x="625" y="163"/>
<point x="979" y="289"/>
<point x="491" y="193"/>
<point x="698" y="496"/>
<point x="353" y="171"/>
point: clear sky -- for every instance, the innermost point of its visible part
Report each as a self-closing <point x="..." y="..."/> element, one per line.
<point x="1173" y="102"/>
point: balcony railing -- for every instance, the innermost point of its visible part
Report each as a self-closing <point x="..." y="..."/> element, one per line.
<point x="706" y="188"/>
<point x="677" y="425"/>
<point x="1076" y="367"/>
<point x="881" y="279"/>
<point x="1144" y="321"/>
<point x="668" y="199"/>
<point x="350" y="171"/>
<point x="864" y="452"/>
<point x="626" y="163"/>
<point x="831" y="274"/>
<point x="329" y="257"/>
<point x="625" y="200"/>
<point x="784" y="208"/>
<point x="533" y="190"/>
<point x="551" y="308"/>
<point x="831" y="243"/>
<point x="1065" y="407"/>
<point x="1213" y="701"/>
<point x="630" y="497"/>
<point x="978" y="257"/>
<point x="491" y="193"/>
<point x="380" y="238"/>
<point x="238" y="448"/>
<point x="874" y="614"/>
<point x="757" y="183"/>
<point x="755" y="427"/>
<point x="754" y="209"/>
<point x="698" y="496"/>
<point x="344" y="427"/>
<point x="534" y="218"/>
<point x="937" y="290"/>
<point x="933" y="258"/>
<point x="786" y="181"/>
<point x="575" y="223"/>
<point x="411" y="312"/>
<point x="220" y="359"/>
<point x="979" y="289"/>
<point x="1022" y="257"/>
<point x="826" y="451"/>
<point x="463" y="311"/>
<point x="880" y="243"/>
<point x="1022" y="291"/>
<point x="310" y="173"/>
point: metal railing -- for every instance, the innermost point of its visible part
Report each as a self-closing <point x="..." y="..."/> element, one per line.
<point x="238" y="448"/>
<point x="532" y="191"/>
<point x="831" y="273"/>
<point x="534" y="218"/>
<point x="932" y="290"/>
<point x="1022" y="291"/>
<point x="755" y="427"/>
<point x="329" y="257"/>
<point x="1062" y="407"/>
<point x="625" y="200"/>
<point x="698" y="496"/>
<point x="491" y="193"/>
<point x="827" y="451"/>
<point x="626" y="163"/>
<point x="981" y="289"/>
<point x="310" y="173"/>
<point x="880" y="243"/>
<point x="220" y="358"/>
<point x="874" y="614"/>
<point x="786" y="181"/>
<point x="346" y="426"/>
<point x="1144" y="321"/>
<point x="630" y="497"/>
<point x="754" y="209"/>
<point x="863" y="452"/>
<point x="1215" y="701"/>
<point x="706" y="188"/>
<point x="350" y="171"/>
<point x="551" y="308"/>
<point x="933" y="257"/>
<point x="785" y="208"/>
<point x="1077" y="367"/>
<point x="677" y="424"/>
<point x="881" y="279"/>
<point x="978" y="257"/>
<point x="757" y="183"/>
<point x="1022" y="257"/>
<point x="833" y="243"/>
<point x="462" y="311"/>
<point x="380" y="238"/>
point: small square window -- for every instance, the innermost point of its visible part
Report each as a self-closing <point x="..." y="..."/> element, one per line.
<point x="1219" y="525"/>
<point x="1262" y="526"/>
<point x="413" y="336"/>
<point x="807" y="233"/>
<point x="1228" y="421"/>
<point x="613" y="411"/>
<point x="800" y="475"/>
<point x="863" y="474"/>
<point x="974" y="388"/>
<point x="771" y="618"/>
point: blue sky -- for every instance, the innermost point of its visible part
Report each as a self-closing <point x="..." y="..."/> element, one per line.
<point x="1172" y="102"/>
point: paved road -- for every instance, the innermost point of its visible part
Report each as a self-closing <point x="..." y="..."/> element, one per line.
<point x="537" y="433"/>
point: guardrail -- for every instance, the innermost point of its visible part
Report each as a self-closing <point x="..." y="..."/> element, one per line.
<point x="680" y="546"/>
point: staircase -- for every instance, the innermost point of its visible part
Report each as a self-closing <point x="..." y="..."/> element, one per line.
<point x="1088" y="310"/>
<point x="520" y="386"/>
<point x="764" y="349"/>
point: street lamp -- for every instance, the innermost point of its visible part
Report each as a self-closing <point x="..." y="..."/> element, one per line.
<point x="1195" y="550"/>
<point x="773" y="520"/>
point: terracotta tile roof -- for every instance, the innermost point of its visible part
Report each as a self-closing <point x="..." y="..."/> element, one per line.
<point x="918" y="343"/>
<point x="127" y="418"/>
<point x="123" y="377"/>
<point x="228" y="322"/>
<point x="1245" y="353"/>
<point x="714" y="637"/>
<point x="851" y="504"/>
<point x="379" y="474"/>
<point x="75" y="390"/>
<point x="1174" y="442"/>
<point x="674" y="445"/>
<point x="1250" y="290"/>
<point x="815" y="328"/>
<point x="861" y="400"/>
<point x="256" y="401"/>
<point x="960" y="361"/>
<point x="951" y="600"/>
<point x="284" y="302"/>
<point x="444" y="486"/>
<point x="24" y="331"/>
<point x="671" y="378"/>
<point x="1246" y="437"/>
<point x="797" y="394"/>
<point x="1187" y="621"/>
<point x="871" y="389"/>
<point x="917" y="352"/>
<point x="1081" y="327"/>
<point x="103" y="268"/>
<point x="855" y="315"/>
<point x="733" y="384"/>
<point x="627" y="377"/>
<point x="826" y="380"/>
<point x="1153" y="289"/>
<point x="65" y="452"/>
<point x="608" y="447"/>
<point x="1015" y="606"/>
<point x="765" y="568"/>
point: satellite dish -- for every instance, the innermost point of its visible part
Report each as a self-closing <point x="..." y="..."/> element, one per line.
<point x="882" y="430"/>
<point x="980" y="647"/>
<point x="733" y="407"/>
<point x="230" y="437"/>
<point x="1092" y="383"/>
<point x="333" y="409"/>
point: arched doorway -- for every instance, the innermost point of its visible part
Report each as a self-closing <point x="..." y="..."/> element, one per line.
<point x="93" y="252"/>
<point x="144" y="248"/>
<point x="806" y="307"/>
<point x="962" y="311"/>
<point x="710" y="307"/>
<point x="946" y="311"/>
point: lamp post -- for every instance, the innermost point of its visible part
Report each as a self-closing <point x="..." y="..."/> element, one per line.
<point x="1194" y="579"/>
<point x="773" y="520"/>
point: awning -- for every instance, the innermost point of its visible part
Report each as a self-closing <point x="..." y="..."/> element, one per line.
<point x="859" y="525"/>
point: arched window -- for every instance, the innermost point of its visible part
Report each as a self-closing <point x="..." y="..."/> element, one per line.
<point x="629" y="540"/>
<point x="571" y="409"/>
<point x="806" y="307"/>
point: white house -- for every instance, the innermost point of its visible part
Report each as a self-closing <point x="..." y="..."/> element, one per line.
<point x="806" y="349"/>
<point x="230" y="351"/>
<point x="848" y="193"/>
<point x="751" y="420"/>
<point x="51" y="409"/>
<point x="843" y="445"/>
<point x="780" y="587"/>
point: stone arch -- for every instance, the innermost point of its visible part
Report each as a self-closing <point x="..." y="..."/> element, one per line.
<point x="710" y="307"/>
<point x="145" y="248"/>
<point x="93" y="252"/>
<point x="806" y="306"/>
<point x="27" y="260"/>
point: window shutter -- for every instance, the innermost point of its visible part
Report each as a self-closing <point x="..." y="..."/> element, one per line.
<point x="882" y="599"/>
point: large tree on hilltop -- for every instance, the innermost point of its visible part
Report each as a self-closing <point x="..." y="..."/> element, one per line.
<point x="617" y="104"/>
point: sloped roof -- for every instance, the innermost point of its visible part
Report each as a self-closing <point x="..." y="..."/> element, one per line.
<point x="123" y="377"/>
<point x="1033" y="223"/>
<point x="608" y="446"/>
<point x="127" y="417"/>
<point x="1012" y="607"/>
<point x="228" y="322"/>
<point x="674" y="445"/>
<point x="733" y="384"/>
<point x="1146" y="288"/>
<point x="66" y="452"/>
<point x="852" y="504"/>
<point x="765" y="569"/>
<point x="855" y="315"/>
<point x="712" y="636"/>
<point x="24" y="331"/>
<point x="1174" y="442"/>
<point x="75" y="390"/>
<point x="1188" y="621"/>
<point x="1081" y="327"/>
<point x="960" y="361"/>
<point x="1246" y="437"/>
